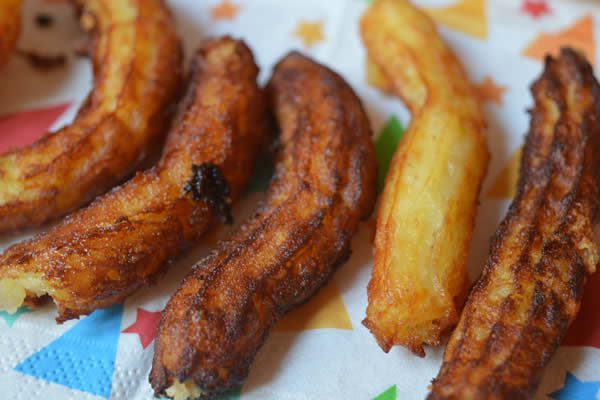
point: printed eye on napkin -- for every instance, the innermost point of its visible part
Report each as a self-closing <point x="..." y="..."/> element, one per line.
<point x="321" y="350"/>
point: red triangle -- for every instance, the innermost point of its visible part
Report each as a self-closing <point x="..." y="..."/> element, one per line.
<point x="25" y="127"/>
<point x="585" y="331"/>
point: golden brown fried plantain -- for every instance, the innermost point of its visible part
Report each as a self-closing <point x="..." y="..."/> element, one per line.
<point x="126" y="239"/>
<point x="324" y="184"/>
<point x="137" y="68"/>
<point x="530" y="290"/>
<point x="429" y="202"/>
<point x="10" y="27"/>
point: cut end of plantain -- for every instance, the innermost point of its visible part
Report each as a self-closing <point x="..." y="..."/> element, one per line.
<point x="184" y="390"/>
<point x="14" y="292"/>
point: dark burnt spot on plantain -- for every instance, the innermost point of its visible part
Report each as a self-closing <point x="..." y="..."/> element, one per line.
<point x="208" y="184"/>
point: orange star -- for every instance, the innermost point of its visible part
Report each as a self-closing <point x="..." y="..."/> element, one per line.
<point x="488" y="91"/>
<point x="309" y="32"/>
<point x="226" y="10"/>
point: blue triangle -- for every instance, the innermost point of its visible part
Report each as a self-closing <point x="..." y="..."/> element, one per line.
<point x="84" y="357"/>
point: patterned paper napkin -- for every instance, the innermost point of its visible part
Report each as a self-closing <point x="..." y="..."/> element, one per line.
<point x="320" y="351"/>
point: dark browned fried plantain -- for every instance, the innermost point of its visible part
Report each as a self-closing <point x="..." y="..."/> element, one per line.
<point x="137" y="66"/>
<point x="530" y="290"/>
<point x="324" y="184"/>
<point x="10" y="27"/>
<point x="126" y="239"/>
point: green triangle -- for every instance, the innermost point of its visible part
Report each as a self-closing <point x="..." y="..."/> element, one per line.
<point x="389" y="394"/>
<point x="385" y="146"/>
<point x="12" y="318"/>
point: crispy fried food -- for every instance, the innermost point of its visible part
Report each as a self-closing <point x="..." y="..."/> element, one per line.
<point x="429" y="203"/>
<point x="530" y="290"/>
<point x="126" y="239"/>
<point x="10" y="26"/>
<point x="137" y="67"/>
<point x="324" y="184"/>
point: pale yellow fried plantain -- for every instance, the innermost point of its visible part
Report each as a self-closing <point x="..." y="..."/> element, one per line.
<point x="10" y="27"/>
<point x="127" y="238"/>
<point x="137" y="66"/>
<point x="530" y="291"/>
<point x="324" y="184"/>
<point x="428" y="206"/>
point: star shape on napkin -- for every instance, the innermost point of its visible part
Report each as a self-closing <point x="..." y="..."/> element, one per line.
<point x="489" y="91"/>
<point x="574" y="389"/>
<point x="225" y="10"/>
<point x="310" y="33"/>
<point x="145" y="326"/>
<point x="535" y="8"/>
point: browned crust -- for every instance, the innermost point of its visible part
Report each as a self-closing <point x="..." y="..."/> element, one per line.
<point x="10" y="27"/>
<point x="323" y="186"/>
<point x="137" y="66"/>
<point x="124" y="240"/>
<point x="530" y="290"/>
<point x="427" y="210"/>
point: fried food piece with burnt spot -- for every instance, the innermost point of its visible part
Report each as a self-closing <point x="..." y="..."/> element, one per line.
<point x="429" y="202"/>
<point x="136" y="61"/>
<point x="530" y="291"/>
<point x="127" y="238"/>
<point x="10" y="27"/>
<point x="324" y="184"/>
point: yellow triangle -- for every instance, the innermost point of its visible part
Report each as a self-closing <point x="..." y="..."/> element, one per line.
<point x="325" y="310"/>
<point x="505" y="185"/>
<point x="466" y="16"/>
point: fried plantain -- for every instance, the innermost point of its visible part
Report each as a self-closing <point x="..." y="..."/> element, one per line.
<point x="127" y="238"/>
<point x="137" y="67"/>
<point x="324" y="184"/>
<point x="530" y="290"/>
<point x="429" y="202"/>
<point x="10" y="27"/>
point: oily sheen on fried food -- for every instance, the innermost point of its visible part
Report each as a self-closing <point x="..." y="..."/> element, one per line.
<point x="324" y="184"/>
<point x="127" y="239"/>
<point x="530" y="291"/>
<point x="429" y="203"/>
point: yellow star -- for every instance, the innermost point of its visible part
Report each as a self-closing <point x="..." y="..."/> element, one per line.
<point x="225" y="10"/>
<point x="310" y="32"/>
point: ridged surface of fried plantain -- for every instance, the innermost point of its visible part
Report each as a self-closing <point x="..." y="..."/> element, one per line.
<point x="324" y="184"/>
<point x="530" y="291"/>
<point x="136" y="61"/>
<point x="126" y="239"/>
<point x="429" y="203"/>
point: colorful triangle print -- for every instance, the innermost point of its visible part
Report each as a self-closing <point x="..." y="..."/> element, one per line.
<point x="505" y="185"/>
<point x="575" y="389"/>
<point x="580" y="36"/>
<point x="324" y="311"/>
<point x="385" y="146"/>
<point x="466" y="16"/>
<point x="84" y="357"/>
<point x="389" y="394"/>
<point x="25" y="127"/>
<point x="10" y="319"/>
<point x="585" y="330"/>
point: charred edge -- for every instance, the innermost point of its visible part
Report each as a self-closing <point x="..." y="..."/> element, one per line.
<point x="208" y="185"/>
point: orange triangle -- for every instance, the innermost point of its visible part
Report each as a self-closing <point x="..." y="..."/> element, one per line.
<point x="325" y="310"/>
<point x="466" y="16"/>
<point x="505" y="185"/>
<point x="580" y="35"/>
